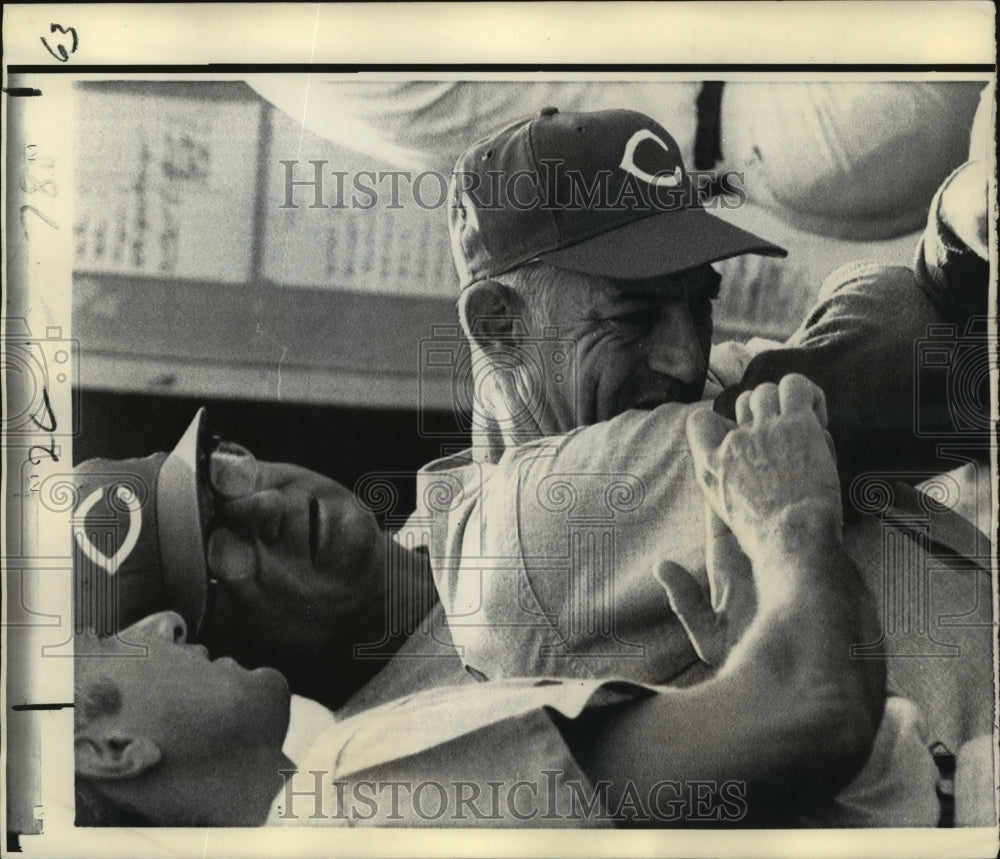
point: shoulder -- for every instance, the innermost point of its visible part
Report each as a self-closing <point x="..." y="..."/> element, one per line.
<point x="865" y="299"/>
<point x="443" y="484"/>
<point x="864" y="276"/>
<point x="627" y="442"/>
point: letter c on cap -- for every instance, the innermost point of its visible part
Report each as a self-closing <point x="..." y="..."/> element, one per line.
<point x="93" y="553"/>
<point x="669" y="180"/>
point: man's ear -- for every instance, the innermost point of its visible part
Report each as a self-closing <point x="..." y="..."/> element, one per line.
<point x="492" y="314"/>
<point x="114" y="756"/>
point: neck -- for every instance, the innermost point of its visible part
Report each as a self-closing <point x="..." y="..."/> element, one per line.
<point x="488" y="443"/>
<point x="491" y="439"/>
<point x="232" y="790"/>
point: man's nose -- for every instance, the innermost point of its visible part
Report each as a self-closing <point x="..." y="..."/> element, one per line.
<point x="167" y="625"/>
<point x="672" y="346"/>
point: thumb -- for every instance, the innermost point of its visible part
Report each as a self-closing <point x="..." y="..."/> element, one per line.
<point x="685" y="594"/>
<point x="705" y="432"/>
<point x="689" y="603"/>
<point x="725" y="403"/>
<point x="231" y="557"/>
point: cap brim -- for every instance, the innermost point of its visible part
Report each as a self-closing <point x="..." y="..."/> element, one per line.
<point x="181" y="503"/>
<point x="662" y="244"/>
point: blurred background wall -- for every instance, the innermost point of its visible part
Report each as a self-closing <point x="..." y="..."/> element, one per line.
<point x="317" y="320"/>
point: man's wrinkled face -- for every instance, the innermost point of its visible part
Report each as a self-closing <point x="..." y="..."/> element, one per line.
<point x="638" y="344"/>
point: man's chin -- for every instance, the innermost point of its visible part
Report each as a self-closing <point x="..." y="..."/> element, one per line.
<point x="682" y="394"/>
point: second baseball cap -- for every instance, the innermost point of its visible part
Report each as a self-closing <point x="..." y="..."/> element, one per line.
<point x="603" y="193"/>
<point x="139" y="533"/>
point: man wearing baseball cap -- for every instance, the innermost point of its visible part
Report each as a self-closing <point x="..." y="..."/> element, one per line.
<point x="271" y="563"/>
<point x="585" y="265"/>
<point x="587" y="225"/>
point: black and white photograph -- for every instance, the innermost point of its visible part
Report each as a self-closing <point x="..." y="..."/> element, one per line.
<point x="426" y="425"/>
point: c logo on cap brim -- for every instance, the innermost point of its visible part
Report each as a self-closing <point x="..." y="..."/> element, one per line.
<point x="92" y="552"/>
<point x="669" y="180"/>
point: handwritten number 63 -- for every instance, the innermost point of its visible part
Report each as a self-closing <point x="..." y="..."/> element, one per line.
<point x="61" y="53"/>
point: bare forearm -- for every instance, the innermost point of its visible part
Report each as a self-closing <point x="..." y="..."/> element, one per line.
<point x="791" y="715"/>
<point x="782" y="749"/>
<point x="816" y="594"/>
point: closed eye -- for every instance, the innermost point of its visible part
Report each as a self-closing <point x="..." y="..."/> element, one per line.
<point x="635" y="314"/>
<point x="636" y="319"/>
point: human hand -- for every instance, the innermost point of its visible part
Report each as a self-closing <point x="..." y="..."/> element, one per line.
<point x="714" y="622"/>
<point x="299" y="561"/>
<point x="776" y="460"/>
